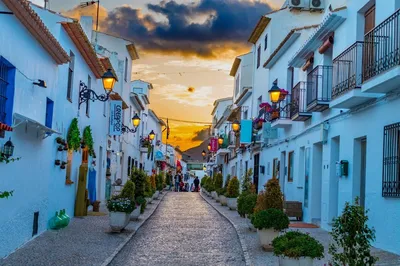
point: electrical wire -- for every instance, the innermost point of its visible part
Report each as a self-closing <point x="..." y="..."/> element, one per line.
<point x="187" y="121"/>
<point x="179" y="73"/>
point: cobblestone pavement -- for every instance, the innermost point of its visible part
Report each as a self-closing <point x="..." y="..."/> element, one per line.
<point x="259" y="257"/>
<point x="184" y="230"/>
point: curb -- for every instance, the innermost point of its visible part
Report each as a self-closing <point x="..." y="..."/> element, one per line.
<point x="129" y="237"/>
<point x="240" y="235"/>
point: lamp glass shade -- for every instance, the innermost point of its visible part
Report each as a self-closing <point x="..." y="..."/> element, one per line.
<point x="8" y="149"/>
<point x="136" y="120"/>
<point x="236" y="126"/>
<point x="108" y="80"/>
<point x="209" y="147"/>
<point x="220" y="140"/>
<point x="274" y="93"/>
<point x="152" y="135"/>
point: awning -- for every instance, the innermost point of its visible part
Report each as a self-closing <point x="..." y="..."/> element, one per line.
<point x="5" y="127"/>
<point x="329" y="24"/>
<point x="30" y="123"/>
<point x="117" y="97"/>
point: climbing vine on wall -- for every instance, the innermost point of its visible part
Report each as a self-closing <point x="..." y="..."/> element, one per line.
<point x="6" y="160"/>
<point x="6" y="194"/>
<point x="74" y="135"/>
<point x="88" y="140"/>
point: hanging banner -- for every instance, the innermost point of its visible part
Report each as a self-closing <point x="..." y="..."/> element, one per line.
<point x="115" y="118"/>
<point x="268" y="132"/>
<point x="214" y="144"/>
<point x="246" y="131"/>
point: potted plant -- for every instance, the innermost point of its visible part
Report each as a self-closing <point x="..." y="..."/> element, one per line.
<point x="148" y="192"/>
<point x="283" y="94"/>
<point x="272" y="197"/>
<point x="218" y="184"/>
<point x="60" y="148"/>
<point x="246" y="205"/>
<point x="269" y="223"/>
<point x="155" y="194"/>
<point x="65" y="148"/>
<point x="58" y="162"/>
<point x="59" y="140"/>
<point x="63" y="165"/>
<point x="352" y="237"/>
<point x="128" y="192"/>
<point x="120" y="210"/>
<point x="232" y="193"/>
<point x="297" y="249"/>
<point x="222" y="198"/>
<point x="73" y="137"/>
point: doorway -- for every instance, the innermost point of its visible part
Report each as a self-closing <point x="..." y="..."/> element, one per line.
<point x="256" y="170"/>
<point x="316" y="184"/>
<point x="100" y="176"/>
<point x="334" y="180"/>
<point x="282" y="172"/>
<point x="360" y="163"/>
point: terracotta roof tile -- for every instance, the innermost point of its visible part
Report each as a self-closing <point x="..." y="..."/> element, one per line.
<point x="258" y="30"/>
<point x="31" y="20"/>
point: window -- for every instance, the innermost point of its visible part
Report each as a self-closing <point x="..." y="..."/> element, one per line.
<point x="49" y="113"/>
<point x="89" y="84"/>
<point x="237" y="84"/>
<point x="391" y="162"/>
<point x="290" y="80"/>
<point x="369" y="20"/>
<point x="129" y="166"/>
<point x="245" y="114"/>
<point x="259" y="56"/>
<point x="7" y="78"/>
<point x="266" y="42"/>
<point x="70" y="76"/>
<point x="290" y="166"/>
<point x="126" y="69"/>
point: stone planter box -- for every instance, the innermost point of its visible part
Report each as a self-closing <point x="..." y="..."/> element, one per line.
<point x="149" y="200"/>
<point x="303" y="261"/>
<point x="118" y="220"/>
<point x="223" y="200"/>
<point x="266" y="236"/>
<point x="232" y="203"/>
<point x="156" y="195"/>
<point x="135" y="214"/>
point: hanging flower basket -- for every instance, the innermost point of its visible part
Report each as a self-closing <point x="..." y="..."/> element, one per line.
<point x="283" y="94"/>
<point x="275" y="115"/>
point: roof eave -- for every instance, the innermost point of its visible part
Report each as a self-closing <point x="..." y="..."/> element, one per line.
<point x="132" y="51"/>
<point x="259" y="29"/>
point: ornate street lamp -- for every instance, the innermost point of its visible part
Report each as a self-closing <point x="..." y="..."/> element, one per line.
<point x="274" y="92"/>
<point x="236" y="126"/>
<point x="86" y="94"/>
<point x="152" y="135"/>
<point x="209" y="147"/>
<point x="8" y="149"/>
<point x="135" y="123"/>
<point x="220" y="140"/>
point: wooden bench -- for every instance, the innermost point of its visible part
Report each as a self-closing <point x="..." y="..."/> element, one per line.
<point x="294" y="209"/>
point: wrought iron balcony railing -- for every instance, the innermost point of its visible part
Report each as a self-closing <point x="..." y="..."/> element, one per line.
<point x="382" y="47"/>
<point x="319" y="88"/>
<point x="298" y="100"/>
<point x="347" y="70"/>
<point x="282" y="111"/>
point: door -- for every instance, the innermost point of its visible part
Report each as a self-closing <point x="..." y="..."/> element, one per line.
<point x="100" y="177"/>
<point x="369" y="43"/>
<point x="363" y="175"/>
<point x="256" y="171"/>
<point x="283" y="173"/>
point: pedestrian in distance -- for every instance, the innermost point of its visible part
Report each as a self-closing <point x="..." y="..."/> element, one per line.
<point x="176" y="183"/>
<point x="196" y="184"/>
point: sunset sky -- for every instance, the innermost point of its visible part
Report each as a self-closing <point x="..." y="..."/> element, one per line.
<point x="181" y="43"/>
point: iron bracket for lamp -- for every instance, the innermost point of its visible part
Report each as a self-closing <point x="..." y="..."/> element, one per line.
<point x="86" y="95"/>
<point x="126" y="129"/>
<point x="6" y="13"/>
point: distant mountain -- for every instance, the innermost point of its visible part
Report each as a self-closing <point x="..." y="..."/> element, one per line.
<point x="194" y="154"/>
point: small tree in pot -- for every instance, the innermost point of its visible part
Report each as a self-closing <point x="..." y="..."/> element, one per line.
<point x="120" y="210"/>
<point x="269" y="223"/>
<point x="139" y="178"/>
<point x="232" y="193"/>
<point x="297" y="249"/>
<point x="271" y="198"/>
<point x="218" y="184"/>
<point x="222" y="197"/>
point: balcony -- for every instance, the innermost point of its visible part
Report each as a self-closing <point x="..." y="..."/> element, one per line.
<point x="319" y="88"/>
<point x="298" y="109"/>
<point x="280" y="117"/>
<point x="347" y="79"/>
<point x="381" y="67"/>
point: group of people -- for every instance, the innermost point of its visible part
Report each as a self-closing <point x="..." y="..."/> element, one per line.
<point x="181" y="186"/>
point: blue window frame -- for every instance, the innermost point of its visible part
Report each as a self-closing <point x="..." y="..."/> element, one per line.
<point x="7" y="81"/>
<point x="266" y="42"/>
<point x="49" y="113"/>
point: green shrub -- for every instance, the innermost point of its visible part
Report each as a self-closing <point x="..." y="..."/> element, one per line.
<point x="233" y="188"/>
<point x="142" y="203"/>
<point x="73" y="137"/>
<point x="218" y="181"/>
<point x="352" y="237"/>
<point x="270" y="198"/>
<point x="270" y="219"/>
<point x="148" y="190"/>
<point x="246" y="203"/>
<point x="118" y="204"/>
<point x="228" y="178"/>
<point x="128" y="191"/>
<point x="139" y="178"/>
<point x="159" y="182"/>
<point x="220" y="191"/>
<point x="153" y="183"/>
<point x="246" y="182"/>
<point x="296" y="244"/>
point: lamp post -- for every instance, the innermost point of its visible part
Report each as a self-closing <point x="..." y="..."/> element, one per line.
<point x="135" y="123"/>
<point x="274" y="93"/>
<point x="86" y="94"/>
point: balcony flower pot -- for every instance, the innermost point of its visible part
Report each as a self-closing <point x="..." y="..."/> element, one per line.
<point x="135" y="214"/>
<point x="62" y="166"/>
<point x="283" y="95"/>
<point x="59" y="140"/>
<point x="223" y="200"/>
<point x="57" y="162"/>
<point x="60" y="148"/>
<point x="297" y="249"/>
<point x="119" y="220"/>
<point x="232" y="203"/>
<point x="274" y="115"/>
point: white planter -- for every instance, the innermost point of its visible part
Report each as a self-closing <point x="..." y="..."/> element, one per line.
<point x="232" y="203"/>
<point x="217" y="198"/>
<point x="156" y="195"/>
<point x="223" y="200"/>
<point x="266" y="236"/>
<point x="251" y="226"/>
<point x="135" y="214"/>
<point x="118" y="220"/>
<point x="149" y="200"/>
<point x="214" y="194"/>
<point x="303" y="261"/>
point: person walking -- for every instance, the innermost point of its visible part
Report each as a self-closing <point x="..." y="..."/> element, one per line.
<point x="176" y="183"/>
<point x="196" y="184"/>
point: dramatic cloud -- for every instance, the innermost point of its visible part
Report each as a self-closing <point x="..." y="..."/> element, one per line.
<point x="201" y="135"/>
<point x="201" y="97"/>
<point x="207" y="29"/>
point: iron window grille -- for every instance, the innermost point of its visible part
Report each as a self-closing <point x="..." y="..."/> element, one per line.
<point x="3" y="91"/>
<point x="391" y="161"/>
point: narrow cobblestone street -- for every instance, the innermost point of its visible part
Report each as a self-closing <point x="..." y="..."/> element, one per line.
<point x="184" y="230"/>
